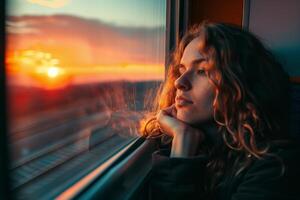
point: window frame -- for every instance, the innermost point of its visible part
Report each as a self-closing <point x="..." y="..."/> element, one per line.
<point x="4" y="151"/>
<point x="246" y="14"/>
<point x="176" y="25"/>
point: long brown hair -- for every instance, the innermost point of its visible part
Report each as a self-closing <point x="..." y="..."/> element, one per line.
<point x="251" y="102"/>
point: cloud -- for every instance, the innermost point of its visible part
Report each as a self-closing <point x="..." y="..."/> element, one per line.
<point x="77" y="41"/>
<point x="19" y="28"/>
<point x="51" y="3"/>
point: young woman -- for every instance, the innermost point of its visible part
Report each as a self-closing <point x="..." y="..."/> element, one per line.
<point x="222" y="121"/>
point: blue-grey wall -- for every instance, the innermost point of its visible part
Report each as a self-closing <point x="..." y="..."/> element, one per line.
<point x="277" y="23"/>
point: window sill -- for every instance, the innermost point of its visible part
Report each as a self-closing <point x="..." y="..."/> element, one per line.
<point x="120" y="176"/>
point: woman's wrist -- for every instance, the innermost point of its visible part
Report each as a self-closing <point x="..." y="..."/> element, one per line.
<point x="186" y="142"/>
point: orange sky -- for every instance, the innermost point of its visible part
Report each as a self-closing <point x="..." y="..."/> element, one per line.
<point x="51" y="51"/>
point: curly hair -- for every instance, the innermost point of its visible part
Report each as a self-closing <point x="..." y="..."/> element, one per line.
<point x="251" y="100"/>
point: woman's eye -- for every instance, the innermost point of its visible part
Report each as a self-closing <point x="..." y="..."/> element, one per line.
<point x="201" y="71"/>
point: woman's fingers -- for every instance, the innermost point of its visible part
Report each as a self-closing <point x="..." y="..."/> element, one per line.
<point x="165" y="122"/>
<point x="168" y="121"/>
<point x="171" y="110"/>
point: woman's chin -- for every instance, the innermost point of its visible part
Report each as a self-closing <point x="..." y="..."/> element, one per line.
<point x="191" y="119"/>
<point x="185" y="117"/>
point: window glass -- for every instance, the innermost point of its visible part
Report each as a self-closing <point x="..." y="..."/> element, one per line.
<point x="79" y="74"/>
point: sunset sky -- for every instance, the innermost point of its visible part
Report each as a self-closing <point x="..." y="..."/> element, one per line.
<point x="65" y="41"/>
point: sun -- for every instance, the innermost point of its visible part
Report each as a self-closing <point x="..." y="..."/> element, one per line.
<point x="53" y="72"/>
<point x="42" y="67"/>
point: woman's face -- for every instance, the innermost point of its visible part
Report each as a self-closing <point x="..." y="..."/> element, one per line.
<point x="194" y="91"/>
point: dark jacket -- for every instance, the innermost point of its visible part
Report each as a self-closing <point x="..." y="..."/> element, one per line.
<point x="182" y="178"/>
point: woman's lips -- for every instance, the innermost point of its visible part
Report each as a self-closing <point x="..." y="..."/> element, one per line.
<point x="181" y="101"/>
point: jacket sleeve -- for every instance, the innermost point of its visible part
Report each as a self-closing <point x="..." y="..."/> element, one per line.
<point x="265" y="180"/>
<point x="176" y="178"/>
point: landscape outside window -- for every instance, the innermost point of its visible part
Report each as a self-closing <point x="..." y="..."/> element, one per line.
<point x="80" y="75"/>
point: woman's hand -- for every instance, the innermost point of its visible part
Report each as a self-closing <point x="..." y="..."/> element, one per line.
<point x="186" y="139"/>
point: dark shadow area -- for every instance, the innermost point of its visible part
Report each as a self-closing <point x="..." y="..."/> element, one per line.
<point x="4" y="159"/>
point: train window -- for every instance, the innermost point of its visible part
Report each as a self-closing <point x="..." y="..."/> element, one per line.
<point x="79" y="75"/>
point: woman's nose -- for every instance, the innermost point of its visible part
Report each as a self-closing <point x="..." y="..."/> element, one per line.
<point x="183" y="83"/>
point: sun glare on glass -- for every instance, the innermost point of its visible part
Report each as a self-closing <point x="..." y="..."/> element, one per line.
<point x="53" y="72"/>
